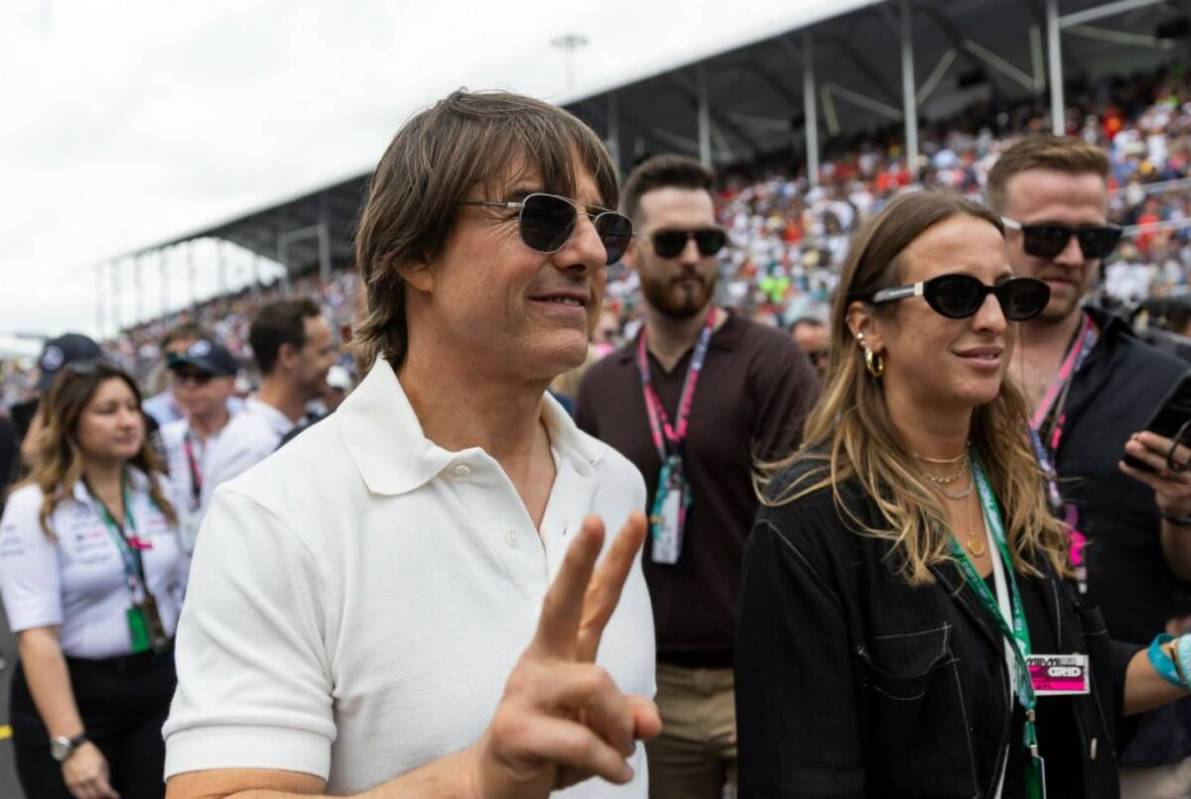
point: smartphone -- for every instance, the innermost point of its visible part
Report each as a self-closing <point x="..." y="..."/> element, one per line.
<point x="1173" y="418"/>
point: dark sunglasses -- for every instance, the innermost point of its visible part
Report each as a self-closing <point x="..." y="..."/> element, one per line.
<point x="195" y="377"/>
<point x="1048" y="239"/>
<point x="670" y="243"/>
<point x="547" y="222"/>
<point x="960" y="296"/>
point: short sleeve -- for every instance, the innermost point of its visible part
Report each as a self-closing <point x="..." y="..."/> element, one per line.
<point x="30" y="580"/>
<point x="254" y="684"/>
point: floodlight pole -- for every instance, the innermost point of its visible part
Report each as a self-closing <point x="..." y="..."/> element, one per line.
<point x="324" y="238"/>
<point x="165" y="286"/>
<point x="99" y="300"/>
<point x="190" y="273"/>
<point x="810" y="110"/>
<point x="1054" y="48"/>
<point x="117" y="316"/>
<point x="704" y="114"/>
<point x="569" y="44"/>
<point x="614" y="128"/>
<point x="138" y="307"/>
<point x="909" y="100"/>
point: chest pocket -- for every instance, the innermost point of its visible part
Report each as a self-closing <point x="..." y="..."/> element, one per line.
<point x="901" y="666"/>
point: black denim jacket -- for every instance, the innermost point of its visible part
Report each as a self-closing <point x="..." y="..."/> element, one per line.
<point x="851" y="683"/>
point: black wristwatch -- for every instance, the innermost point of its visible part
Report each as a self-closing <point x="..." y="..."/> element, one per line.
<point x="61" y="748"/>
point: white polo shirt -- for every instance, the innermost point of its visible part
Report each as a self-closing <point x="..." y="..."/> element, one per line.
<point x="76" y="580"/>
<point x="358" y="600"/>
<point x="251" y="436"/>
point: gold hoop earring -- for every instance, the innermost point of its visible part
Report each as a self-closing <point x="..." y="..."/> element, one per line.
<point x="874" y="363"/>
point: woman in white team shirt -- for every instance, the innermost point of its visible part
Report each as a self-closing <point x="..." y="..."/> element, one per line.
<point x="91" y="574"/>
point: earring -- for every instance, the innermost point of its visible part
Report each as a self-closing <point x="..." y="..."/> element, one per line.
<point x="874" y="362"/>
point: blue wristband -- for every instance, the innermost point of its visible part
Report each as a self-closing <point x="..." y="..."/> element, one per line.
<point x="1162" y="662"/>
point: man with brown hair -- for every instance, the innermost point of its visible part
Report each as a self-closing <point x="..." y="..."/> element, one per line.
<point x="691" y="402"/>
<point x="1092" y="386"/>
<point x="358" y="599"/>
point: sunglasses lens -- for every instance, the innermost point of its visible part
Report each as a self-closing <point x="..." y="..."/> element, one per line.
<point x="1098" y="242"/>
<point x="669" y="243"/>
<point x="955" y="296"/>
<point x="615" y="231"/>
<point x="710" y="241"/>
<point x="546" y="222"/>
<point x="1045" y="241"/>
<point x="1022" y="298"/>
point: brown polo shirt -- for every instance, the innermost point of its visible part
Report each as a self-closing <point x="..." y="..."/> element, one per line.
<point x="753" y="394"/>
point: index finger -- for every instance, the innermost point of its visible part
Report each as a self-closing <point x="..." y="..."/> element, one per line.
<point x="562" y="609"/>
<point x="608" y="583"/>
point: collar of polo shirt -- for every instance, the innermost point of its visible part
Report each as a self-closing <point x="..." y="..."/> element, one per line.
<point x="384" y="438"/>
<point x="137" y="483"/>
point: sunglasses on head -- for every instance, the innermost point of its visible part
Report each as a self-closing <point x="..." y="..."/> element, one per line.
<point x="959" y="296"/>
<point x="1048" y="239"/>
<point x="547" y="222"/>
<point x="670" y="243"/>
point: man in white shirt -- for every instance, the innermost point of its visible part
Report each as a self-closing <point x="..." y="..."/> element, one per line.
<point x="204" y="380"/>
<point x="291" y="342"/>
<point x="359" y="599"/>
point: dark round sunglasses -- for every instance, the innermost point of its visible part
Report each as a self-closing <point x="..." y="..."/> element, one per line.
<point x="670" y="243"/>
<point x="1048" y="239"/>
<point x="960" y="296"/>
<point x="547" y="222"/>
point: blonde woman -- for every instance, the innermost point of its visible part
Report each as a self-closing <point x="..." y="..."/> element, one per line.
<point x="907" y="628"/>
<point x="91" y="574"/>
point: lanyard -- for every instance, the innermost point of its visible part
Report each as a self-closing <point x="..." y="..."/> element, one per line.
<point x="196" y="474"/>
<point x="659" y="422"/>
<point x="129" y="546"/>
<point x="1053" y="409"/>
<point x="1017" y="637"/>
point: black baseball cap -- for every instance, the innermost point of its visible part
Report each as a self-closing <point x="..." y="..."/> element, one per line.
<point x="208" y="357"/>
<point x="67" y="348"/>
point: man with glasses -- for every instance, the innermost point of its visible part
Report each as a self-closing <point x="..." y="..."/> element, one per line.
<point x="204" y="380"/>
<point x="1092" y="386"/>
<point x="692" y="401"/>
<point x="405" y="600"/>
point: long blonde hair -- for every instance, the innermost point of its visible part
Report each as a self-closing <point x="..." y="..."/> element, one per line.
<point x="849" y="433"/>
<point x="57" y="463"/>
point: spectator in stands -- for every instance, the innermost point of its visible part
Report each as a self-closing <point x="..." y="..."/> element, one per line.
<point x="814" y="338"/>
<point x="906" y="563"/>
<point x="164" y="407"/>
<point x="360" y="596"/>
<point x="204" y="379"/>
<point x="291" y="341"/>
<point x="92" y="576"/>
<point x="690" y="401"/>
<point x="1091" y="386"/>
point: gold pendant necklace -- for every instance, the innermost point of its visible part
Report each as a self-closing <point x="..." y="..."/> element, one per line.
<point x="976" y="547"/>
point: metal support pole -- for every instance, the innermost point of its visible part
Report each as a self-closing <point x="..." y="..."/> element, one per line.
<point x="1058" y="114"/>
<point x="614" y="129"/>
<point x="810" y="110"/>
<point x="137" y="290"/>
<point x="117" y="316"/>
<point x="99" y="300"/>
<point x="704" y="112"/>
<point x="221" y="265"/>
<point x="190" y="275"/>
<point x="324" y="239"/>
<point x="165" y="284"/>
<point x="909" y="100"/>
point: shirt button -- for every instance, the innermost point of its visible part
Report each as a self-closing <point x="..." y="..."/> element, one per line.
<point x="511" y="538"/>
<point x="462" y="470"/>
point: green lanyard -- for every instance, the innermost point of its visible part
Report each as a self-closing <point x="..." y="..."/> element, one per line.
<point x="134" y="569"/>
<point x="1019" y="636"/>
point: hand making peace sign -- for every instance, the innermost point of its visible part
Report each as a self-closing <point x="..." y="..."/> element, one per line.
<point x="562" y="719"/>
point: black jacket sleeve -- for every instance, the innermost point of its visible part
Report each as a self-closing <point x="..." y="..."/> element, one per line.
<point x="798" y="691"/>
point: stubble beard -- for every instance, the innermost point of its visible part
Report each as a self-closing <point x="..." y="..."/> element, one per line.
<point x="663" y="297"/>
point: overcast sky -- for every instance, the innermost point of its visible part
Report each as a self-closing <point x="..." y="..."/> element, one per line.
<point x="126" y="123"/>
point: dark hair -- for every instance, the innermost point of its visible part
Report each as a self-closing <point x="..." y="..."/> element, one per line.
<point x="661" y="172"/>
<point x="466" y="140"/>
<point x="279" y="323"/>
<point x="57" y="461"/>
<point x="184" y="330"/>
<point x="1055" y="153"/>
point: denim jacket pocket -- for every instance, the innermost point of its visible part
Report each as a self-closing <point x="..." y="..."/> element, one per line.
<point x="901" y="665"/>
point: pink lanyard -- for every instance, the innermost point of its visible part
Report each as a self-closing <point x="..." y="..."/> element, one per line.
<point x="659" y="422"/>
<point x="1071" y="364"/>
